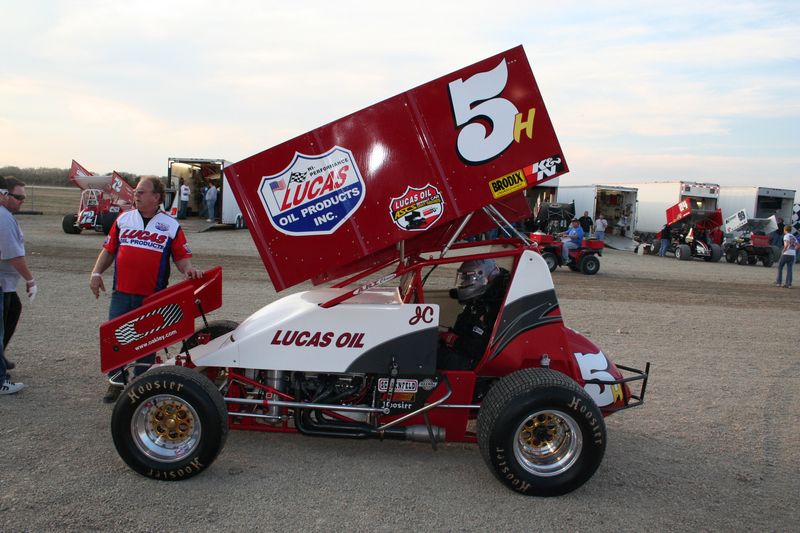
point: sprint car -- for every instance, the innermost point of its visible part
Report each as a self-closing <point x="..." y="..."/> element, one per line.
<point x="356" y="356"/>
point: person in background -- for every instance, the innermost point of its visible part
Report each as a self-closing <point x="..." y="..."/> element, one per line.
<point x="141" y="265"/>
<point x="574" y="237"/>
<point x="600" y="226"/>
<point x="184" y="200"/>
<point x="211" y="201"/>
<point x="666" y="238"/>
<point x="586" y="223"/>
<point x="12" y="267"/>
<point x="787" y="257"/>
<point x="623" y="224"/>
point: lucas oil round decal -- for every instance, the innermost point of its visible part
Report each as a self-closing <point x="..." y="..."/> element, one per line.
<point x="417" y="209"/>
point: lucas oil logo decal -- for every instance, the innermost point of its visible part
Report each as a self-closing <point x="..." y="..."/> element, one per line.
<point x="417" y="209"/>
<point x="315" y="194"/>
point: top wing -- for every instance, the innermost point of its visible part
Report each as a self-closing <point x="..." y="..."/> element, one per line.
<point x="408" y="169"/>
<point x="114" y="184"/>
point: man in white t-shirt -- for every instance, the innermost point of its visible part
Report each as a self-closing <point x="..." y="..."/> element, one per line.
<point x="787" y="257"/>
<point x="600" y="226"/>
<point x="184" y="199"/>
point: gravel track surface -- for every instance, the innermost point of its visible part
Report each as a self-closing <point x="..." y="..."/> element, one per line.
<point x="715" y="447"/>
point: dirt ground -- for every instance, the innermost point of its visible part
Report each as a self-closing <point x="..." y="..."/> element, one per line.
<point x="714" y="448"/>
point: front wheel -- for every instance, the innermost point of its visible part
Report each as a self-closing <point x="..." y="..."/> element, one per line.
<point x="683" y="252"/>
<point x="743" y="257"/>
<point x="589" y="265"/>
<point x="766" y="260"/>
<point x="69" y="224"/>
<point x="540" y="433"/>
<point x="169" y="424"/>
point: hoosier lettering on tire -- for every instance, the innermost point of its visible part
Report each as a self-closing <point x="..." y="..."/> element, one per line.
<point x="169" y="424"/>
<point x="540" y="433"/>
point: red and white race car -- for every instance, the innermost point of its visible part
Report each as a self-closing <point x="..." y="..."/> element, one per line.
<point x="103" y="198"/>
<point x="377" y="200"/>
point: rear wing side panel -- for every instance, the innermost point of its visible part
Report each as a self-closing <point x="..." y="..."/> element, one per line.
<point x="163" y="319"/>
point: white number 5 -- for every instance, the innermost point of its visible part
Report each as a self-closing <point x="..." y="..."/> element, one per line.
<point x="473" y="144"/>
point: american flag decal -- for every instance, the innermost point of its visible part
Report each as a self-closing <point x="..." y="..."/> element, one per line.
<point x="126" y="333"/>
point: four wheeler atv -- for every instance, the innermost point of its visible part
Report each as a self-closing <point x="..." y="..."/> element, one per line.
<point x="585" y="259"/>
<point x="750" y="243"/>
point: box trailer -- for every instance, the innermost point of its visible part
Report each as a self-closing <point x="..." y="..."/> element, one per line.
<point x="196" y="172"/>
<point x="613" y="201"/>
<point x="758" y="202"/>
<point x="655" y="198"/>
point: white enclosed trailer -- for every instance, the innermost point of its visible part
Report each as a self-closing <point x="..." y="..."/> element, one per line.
<point x="655" y="197"/>
<point x="613" y="201"/>
<point x="759" y="202"/>
<point x="195" y="172"/>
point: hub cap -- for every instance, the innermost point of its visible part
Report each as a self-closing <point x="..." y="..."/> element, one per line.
<point x="166" y="428"/>
<point x="547" y="443"/>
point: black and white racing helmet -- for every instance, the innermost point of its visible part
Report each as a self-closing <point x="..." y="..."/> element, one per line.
<point x="473" y="277"/>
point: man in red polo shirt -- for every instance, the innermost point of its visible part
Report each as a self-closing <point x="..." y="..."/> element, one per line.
<point x="140" y="244"/>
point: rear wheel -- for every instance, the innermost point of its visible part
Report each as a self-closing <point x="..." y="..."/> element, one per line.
<point x="169" y="424"/>
<point x="683" y="252"/>
<point x="107" y="221"/>
<point x="540" y="433"/>
<point x="589" y="265"/>
<point x="551" y="260"/>
<point x="68" y="224"/>
<point x="743" y="257"/>
<point x="767" y="260"/>
<point x="716" y="253"/>
<point x="730" y="255"/>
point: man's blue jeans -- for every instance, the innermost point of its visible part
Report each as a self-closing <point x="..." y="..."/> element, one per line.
<point x="122" y="303"/>
<point x="569" y="245"/>
<point x="788" y="261"/>
<point x="664" y="245"/>
<point x="3" y="369"/>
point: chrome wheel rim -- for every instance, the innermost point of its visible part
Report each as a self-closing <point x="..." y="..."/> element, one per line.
<point x="547" y="443"/>
<point x="166" y="428"/>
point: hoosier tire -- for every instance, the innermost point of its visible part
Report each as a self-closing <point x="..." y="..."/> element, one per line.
<point x="540" y="433"/>
<point x="169" y="424"/>
<point x="683" y="252"/>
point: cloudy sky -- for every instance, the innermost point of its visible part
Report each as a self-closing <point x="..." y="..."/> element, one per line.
<point x="637" y="90"/>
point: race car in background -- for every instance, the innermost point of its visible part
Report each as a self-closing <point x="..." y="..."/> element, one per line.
<point x="103" y="198"/>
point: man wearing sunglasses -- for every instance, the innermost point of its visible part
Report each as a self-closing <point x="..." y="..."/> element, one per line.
<point x="12" y="267"/>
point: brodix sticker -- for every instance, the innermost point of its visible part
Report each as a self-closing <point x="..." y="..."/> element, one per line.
<point x="417" y="209"/>
<point x="315" y="194"/>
